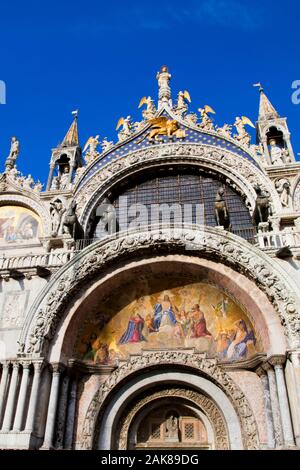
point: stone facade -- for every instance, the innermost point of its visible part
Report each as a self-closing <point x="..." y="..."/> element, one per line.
<point x="57" y="274"/>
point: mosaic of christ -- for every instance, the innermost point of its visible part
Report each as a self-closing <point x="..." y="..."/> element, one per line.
<point x="197" y="315"/>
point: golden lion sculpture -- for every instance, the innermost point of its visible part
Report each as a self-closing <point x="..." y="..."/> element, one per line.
<point x="164" y="126"/>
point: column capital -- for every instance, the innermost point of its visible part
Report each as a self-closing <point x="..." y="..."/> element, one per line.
<point x="5" y="364"/>
<point x="277" y="360"/>
<point x="26" y="364"/>
<point x="38" y="365"/>
<point x="260" y="371"/>
<point x="57" y="368"/>
<point x="15" y="364"/>
<point x="267" y="366"/>
<point x="294" y="355"/>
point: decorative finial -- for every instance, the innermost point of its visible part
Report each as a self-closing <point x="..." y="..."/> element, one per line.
<point x="164" y="91"/>
<point x="258" y="85"/>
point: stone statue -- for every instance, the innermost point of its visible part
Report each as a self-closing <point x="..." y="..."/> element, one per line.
<point x="126" y="130"/>
<point x="64" y="182"/>
<point x="57" y="210"/>
<point x="90" y="149"/>
<point x="150" y="110"/>
<point x="182" y="102"/>
<point x="38" y="187"/>
<point x="206" y="122"/>
<point x="283" y="188"/>
<point x="262" y="209"/>
<point x="13" y="153"/>
<point x="172" y="428"/>
<point x="191" y="118"/>
<point x="28" y="182"/>
<point x="106" y="144"/>
<point x="55" y="184"/>
<point x="69" y="220"/>
<point x="221" y="210"/>
<point x="242" y="135"/>
<point x="225" y="130"/>
<point x="276" y="153"/>
<point x="164" y="91"/>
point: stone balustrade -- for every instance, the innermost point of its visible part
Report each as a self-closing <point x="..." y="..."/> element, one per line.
<point x="278" y="239"/>
<point x="47" y="260"/>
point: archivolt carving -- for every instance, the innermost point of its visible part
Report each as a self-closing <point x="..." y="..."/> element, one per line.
<point x="208" y="367"/>
<point x="241" y="171"/>
<point x="205" y="404"/>
<point x="206" y="242"/>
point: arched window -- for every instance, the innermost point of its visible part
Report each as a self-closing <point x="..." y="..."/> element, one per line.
<point x="186" y="193"/>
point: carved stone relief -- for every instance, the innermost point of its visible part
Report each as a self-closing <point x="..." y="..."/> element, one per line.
<point x="13" y="309"/>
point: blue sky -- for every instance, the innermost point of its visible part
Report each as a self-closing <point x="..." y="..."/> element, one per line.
<point x="102" y="57"/>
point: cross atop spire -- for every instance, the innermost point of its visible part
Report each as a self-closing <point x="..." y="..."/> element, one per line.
<point x="164" y="90"/>
<point x="71" y="138"/>
<point x="266" y="109"/>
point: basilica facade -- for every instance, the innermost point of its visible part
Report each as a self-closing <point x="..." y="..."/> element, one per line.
<point x="150" y="292"/>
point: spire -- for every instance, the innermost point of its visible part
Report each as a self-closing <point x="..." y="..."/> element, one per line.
<point x="266" y="109"/>
<point x="71" y="138"/>
<point x="164" y="90"/>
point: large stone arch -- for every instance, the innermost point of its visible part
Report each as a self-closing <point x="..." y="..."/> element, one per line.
<point x="49" y="307"/>
<point x="203" y="374"/>
<point x="213" y="417"/>
<point x="240" y="173"/>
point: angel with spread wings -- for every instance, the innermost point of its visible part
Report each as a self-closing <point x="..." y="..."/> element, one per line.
<point x="90" y="148"/>
<point x="206" y="122"/>
<point x="91" y="144"/>
<point x="150" y="110"/>
<point x="126" y="130"/>
<point x="242" y="134"/>
<point x="182" y="100"/>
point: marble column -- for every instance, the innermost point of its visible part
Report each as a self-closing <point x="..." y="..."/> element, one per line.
<point x="10" y="404"/>
<point x="50" y="177"/>
<point x="268" y="407"/>
<point x="288" y="435"/>
<point x="71" y="415"/>
<point x="3" y="386"/>
<point x="22" y="397"/>
<point x="52" y="406"/>
<point x="294" y="357"/>
<point x="274" y="404"/>
<point x="62" y="413"/>
<point x="37" y="365"/>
